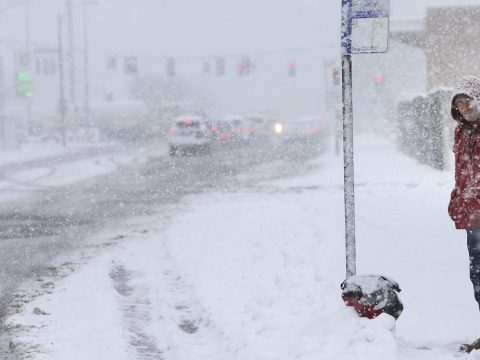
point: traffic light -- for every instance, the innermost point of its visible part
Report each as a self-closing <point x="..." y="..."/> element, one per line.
<point x="111" y="62"/>
<point x="379" y="86"/>
<point x="24" y="84"/>
<point x="379" y="78"/>
<point x="53" y="66"/>
<point x="240" y="67"/>
<point x="220" y="66"/>
<point x="244" y="66"/>
<point x="336" y="76"/>
<point x="292" y="69"/>
<point x="22" y="60"/>
<point x="171" y="67"/>
<point x="45" y="66"/>
<point x="131" y="65"/>
<point x="207" y="69"/>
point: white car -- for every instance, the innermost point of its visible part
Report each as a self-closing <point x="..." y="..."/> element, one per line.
<point x="306" y="128"/>
<point x="189" y="134"/>
<point x="260" y="126"/>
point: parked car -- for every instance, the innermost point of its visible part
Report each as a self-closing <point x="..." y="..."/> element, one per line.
<point x="189" y="134"/>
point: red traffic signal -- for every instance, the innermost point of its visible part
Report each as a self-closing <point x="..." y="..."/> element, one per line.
<point x="245" y="66"/>
<point x="292" y="69"/>
<point x="379" y="78"/>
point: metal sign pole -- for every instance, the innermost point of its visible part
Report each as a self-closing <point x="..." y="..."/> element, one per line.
<point x="348" y="158"/>
<point x="364" y="30"/>
<point x="348" y="164"/>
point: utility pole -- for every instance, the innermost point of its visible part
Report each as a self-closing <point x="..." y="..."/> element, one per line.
<point x="28" y="52"/>
<point x="27" y="24"/>
<point x="71" y="58"/>
<point x="3" y="124"/>
<point x="86" y="64"/>
<point x="62" y="105"/>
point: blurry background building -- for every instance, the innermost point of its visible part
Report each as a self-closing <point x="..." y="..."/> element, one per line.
<point x="450" y="38"/>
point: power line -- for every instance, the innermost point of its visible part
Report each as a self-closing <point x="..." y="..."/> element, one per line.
<point x="179" y="57"/>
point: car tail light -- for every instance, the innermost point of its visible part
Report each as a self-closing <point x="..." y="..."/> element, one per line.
<point x="172" y="130"/>
<point x="187" y="122"/>
<point x="316" y="128"/>
<point x="223" y="136"/>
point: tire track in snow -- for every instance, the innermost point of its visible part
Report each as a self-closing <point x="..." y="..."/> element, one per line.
<point x="136" y="309"/>
<point x="182" y="328"/>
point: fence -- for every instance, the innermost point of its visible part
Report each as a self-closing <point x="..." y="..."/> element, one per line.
<point x="425" y="128"/>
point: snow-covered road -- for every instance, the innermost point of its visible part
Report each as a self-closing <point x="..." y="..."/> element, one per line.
<point x="252" y="271"/>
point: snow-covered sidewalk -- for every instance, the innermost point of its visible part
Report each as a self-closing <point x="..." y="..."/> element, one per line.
<point x="254" y="273"/>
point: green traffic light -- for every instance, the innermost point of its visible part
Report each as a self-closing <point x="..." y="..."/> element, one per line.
<point x="24" y="84"/>
<point x="24" y="77"/>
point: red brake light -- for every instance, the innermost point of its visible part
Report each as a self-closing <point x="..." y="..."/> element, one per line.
<point x="188" y="122"/>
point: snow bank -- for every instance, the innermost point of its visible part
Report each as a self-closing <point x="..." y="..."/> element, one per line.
<point x="256" y="273"/>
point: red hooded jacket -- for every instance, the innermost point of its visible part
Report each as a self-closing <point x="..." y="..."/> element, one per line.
<point x="464" y="206"/>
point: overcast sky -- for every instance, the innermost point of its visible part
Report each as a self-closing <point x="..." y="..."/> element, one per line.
<point x="199" y="27"/>
<point x="192" y="30"/>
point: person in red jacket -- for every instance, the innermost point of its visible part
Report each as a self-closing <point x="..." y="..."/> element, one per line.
<point x="464" y="206"/>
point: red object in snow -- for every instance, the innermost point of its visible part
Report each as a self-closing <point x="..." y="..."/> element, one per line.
<point x="362" y="309"/>
<point x="372" y="295"/>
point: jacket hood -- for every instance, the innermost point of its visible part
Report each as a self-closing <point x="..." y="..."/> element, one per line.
<point x="468" y="85"/>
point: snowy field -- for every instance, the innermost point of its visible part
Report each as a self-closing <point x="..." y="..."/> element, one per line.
<point x="255" y="273"/>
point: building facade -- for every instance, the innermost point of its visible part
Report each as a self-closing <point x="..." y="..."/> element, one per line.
<point x="450" y="38"/>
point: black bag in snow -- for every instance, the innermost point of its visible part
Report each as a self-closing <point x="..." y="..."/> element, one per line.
<point x="371" y="295"/>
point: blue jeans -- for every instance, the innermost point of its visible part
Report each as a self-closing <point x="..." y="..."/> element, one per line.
<point x="473" y="243"/>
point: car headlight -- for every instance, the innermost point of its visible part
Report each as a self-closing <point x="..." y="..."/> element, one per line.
<point x="278" y="128"/>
